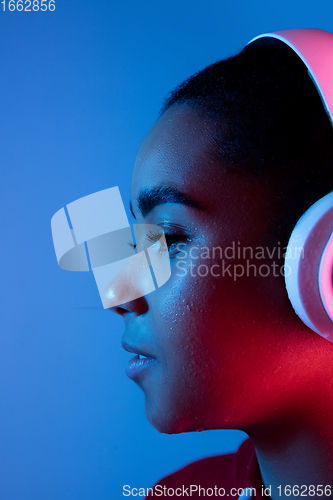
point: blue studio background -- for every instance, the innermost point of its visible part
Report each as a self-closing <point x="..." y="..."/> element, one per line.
<point x="79" y="89"/>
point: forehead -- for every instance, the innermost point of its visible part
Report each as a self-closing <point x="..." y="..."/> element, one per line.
<point x="178" y="152"/>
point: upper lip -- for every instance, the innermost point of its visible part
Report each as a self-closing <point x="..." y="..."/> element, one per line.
<point x="135" y="350"/>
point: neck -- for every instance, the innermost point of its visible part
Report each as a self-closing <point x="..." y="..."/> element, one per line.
<point x="301" y="458"/>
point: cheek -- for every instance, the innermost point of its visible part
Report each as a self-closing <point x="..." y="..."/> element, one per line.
<point x="208" y="328"/>
<point x="212" y="337"/>
<point x="188" y="327"/>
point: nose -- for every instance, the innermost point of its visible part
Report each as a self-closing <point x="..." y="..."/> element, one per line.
<point x="133" y="308"/>
<point x="131" y="279"/>
<point x="126" y="293"/>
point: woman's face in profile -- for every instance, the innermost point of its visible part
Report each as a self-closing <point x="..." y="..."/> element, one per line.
<point x="217" y="342"/>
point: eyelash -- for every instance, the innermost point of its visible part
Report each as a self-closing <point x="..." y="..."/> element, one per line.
<point x="153" y="237"/>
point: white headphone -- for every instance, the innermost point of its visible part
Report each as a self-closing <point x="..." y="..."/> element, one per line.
<point x="309" y="255"/>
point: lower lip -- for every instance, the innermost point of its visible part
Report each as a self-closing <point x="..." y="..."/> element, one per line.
<point x="136" y="366"/>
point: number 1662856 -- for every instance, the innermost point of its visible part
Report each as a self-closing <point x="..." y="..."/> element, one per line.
<point x="28" y="5"/>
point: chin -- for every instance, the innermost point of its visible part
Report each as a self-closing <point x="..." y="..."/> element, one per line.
<point x="168" y="422"/>
<point x="164" y="424"/>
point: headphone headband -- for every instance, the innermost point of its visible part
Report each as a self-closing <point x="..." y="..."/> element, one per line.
<point x="315" y="49"/>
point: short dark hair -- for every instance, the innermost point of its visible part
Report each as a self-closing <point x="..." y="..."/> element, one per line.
<point x="268" y="121"/>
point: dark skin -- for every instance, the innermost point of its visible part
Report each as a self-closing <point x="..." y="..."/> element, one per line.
<point x="226" y="353"/>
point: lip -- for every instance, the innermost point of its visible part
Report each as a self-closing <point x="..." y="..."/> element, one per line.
<point x="135" y="350"/>
<point x="136" y="365"/>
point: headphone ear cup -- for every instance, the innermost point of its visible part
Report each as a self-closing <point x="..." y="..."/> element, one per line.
<point x="309" y="267"/>
<point x="326" y="278"/>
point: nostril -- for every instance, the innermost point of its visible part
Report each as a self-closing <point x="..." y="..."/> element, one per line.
<point x="120" y="310"/>
<point x="132" y="308"/>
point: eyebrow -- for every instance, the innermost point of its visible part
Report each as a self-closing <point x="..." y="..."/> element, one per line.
<point x="150" y="198"/>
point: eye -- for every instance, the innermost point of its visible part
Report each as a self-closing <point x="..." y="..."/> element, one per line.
<point x="172" y="240"/>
